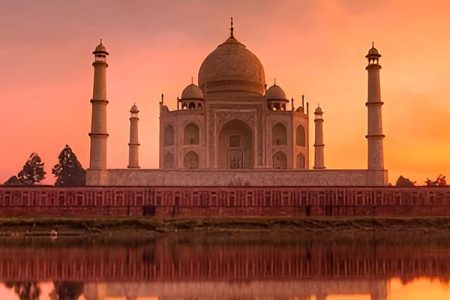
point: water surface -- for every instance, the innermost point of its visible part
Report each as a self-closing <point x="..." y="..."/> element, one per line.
<point x="224" y="266"/>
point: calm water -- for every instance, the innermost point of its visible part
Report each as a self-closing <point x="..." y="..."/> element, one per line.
<point x="223" y="266"/>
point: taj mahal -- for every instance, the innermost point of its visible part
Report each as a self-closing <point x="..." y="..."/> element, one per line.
<point x="233" y="130"/>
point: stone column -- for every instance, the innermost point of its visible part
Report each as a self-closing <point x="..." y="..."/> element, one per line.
<point x="99" y="102"/>
<point x="318" y="143"/>
<point x="133" y="145"/>
<point x="375" y="134"/>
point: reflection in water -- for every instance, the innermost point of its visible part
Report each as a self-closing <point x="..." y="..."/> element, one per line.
<point x="216" y="267"/>
<point x="25" y="290"/>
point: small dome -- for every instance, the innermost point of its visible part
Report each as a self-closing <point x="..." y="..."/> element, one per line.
<point x="373" y="52"/>
<point x="318" y="111"/>
<point x="192" y="92"/>
<point x="100" y="49"/>
<point x="134" y="109"/>
<point x="275" y="92"/>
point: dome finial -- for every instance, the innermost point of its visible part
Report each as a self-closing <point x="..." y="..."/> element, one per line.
<point x="274" y="81"/>
<point x="231" y="28"/>
<point x="100" y="49"/>
<point x="192" y="79"/>
<point x="373" y="52"/>
<point x="134" y="109"/>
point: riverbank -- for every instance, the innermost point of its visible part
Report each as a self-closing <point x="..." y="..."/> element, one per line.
<point x="423" y="227"/>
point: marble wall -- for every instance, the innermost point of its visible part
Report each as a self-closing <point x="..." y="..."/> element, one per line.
<point x="253" y="177"/>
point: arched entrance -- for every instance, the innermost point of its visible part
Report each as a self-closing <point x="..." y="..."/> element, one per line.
<point x="235" y="147"/>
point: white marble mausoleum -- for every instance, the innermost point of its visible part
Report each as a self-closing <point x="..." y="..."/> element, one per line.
<point x="234" y="129"/>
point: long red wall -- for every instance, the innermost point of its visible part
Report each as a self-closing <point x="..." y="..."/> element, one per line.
<point x="224" y="201"/>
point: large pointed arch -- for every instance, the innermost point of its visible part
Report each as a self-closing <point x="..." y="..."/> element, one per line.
<point x="235" y="148"/>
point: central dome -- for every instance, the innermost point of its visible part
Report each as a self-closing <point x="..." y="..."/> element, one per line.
<point x="232" y="67"/>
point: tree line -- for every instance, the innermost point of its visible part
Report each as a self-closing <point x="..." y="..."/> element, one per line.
<point x="405" y="182"/>
<point x="30" y="290"/>
<point x="68" y="171"/>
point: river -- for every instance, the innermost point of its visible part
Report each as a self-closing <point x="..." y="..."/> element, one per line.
<point x="249" y="265"/>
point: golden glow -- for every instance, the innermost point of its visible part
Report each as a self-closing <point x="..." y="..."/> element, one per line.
<point x="417" y="289"/>
<point x="315" y="48"/>
<point x="348" y="297"/>
<point x="7" y="294"/>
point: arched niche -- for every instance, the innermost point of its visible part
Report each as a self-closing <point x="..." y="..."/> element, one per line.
<point x="168" y="161"/>
<point x="191" y="160"/>
<point x="191" y="134"/>
<point x="169" y="135"/>
<point x="279" y="134"/>
<point x="300" y="136"/>
<point x="300" y="161"/>
<point x="279" y="160"/>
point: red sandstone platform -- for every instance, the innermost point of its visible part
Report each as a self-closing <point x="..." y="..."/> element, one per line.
<point x="224" y="201"/>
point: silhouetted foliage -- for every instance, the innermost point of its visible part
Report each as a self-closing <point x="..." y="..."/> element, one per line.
<point x="32" y="171"/>
<point x="403" y="181"/>
<point x="26" y="290"/>
<point x="440" y="181"/>
<point x="13" y="180"/>
<point x="68" y="290"/>
<point x="69" y="171"/>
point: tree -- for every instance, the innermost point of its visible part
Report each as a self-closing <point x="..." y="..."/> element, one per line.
<point x="13" y="180"/>
<point x="403" y="181"/>
<point x="440" y="181"/>
<point x="68" y="171"/>
<point x="33" y="170"/>
<point x="67" y="290"/>
<point x="27" y="290"/>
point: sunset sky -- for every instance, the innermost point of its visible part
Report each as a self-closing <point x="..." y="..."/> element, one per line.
<point x="312" y="47"/>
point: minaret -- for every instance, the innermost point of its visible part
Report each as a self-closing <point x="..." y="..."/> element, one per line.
<point x="375" y="134"/>
<point x="133" y="145"/>
<point x="99" y="102"/>
<point x="318" y="143"/>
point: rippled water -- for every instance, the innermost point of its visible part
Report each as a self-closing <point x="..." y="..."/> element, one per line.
<point x="224" y="266"/>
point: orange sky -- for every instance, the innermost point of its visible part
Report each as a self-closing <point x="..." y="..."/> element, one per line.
<point x="315" y="48"/>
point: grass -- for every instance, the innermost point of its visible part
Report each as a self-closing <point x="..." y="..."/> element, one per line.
<point x="361" y="230"/>
<point x="305" y="225"/>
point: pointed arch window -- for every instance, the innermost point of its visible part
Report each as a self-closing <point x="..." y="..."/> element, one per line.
<point x="300" y="136"/>
<point x="279" y="134"/>
<point x="191" y="134"/>
<point x="191" y="160"/>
